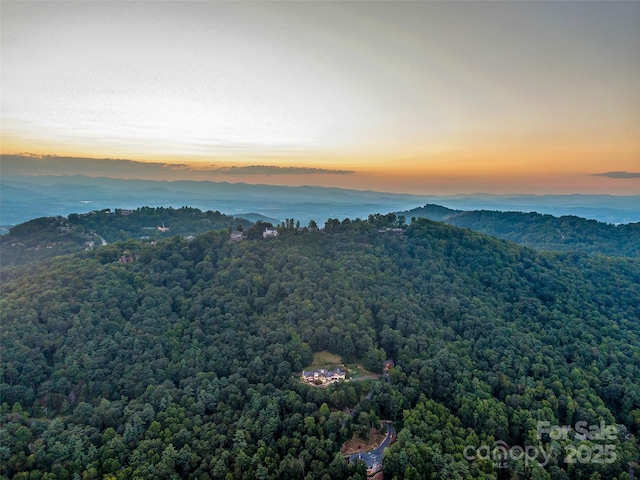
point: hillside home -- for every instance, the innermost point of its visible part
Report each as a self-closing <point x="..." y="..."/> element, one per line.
<point x="323" y="376"/>
<point x="394" y="231"/>
<point x="236" y="236"/>
<point x="388" y="365"/>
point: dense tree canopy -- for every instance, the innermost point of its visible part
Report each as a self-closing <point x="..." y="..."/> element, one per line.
<point x="546" y="232"/>
<point x="47" y="237"/>
<point x="183" y="363"/>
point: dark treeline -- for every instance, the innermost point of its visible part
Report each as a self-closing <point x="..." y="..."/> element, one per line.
<point x="183" y="363"/>
<point x="545" y="232"/>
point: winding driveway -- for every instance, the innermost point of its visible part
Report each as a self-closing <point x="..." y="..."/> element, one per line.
<point x="373" y="458"/>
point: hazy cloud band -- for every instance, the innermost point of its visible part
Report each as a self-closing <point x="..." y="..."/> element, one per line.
<point x="618" y="174"/>
<point x="27" y="164"/>
<point x="274" y="170"/>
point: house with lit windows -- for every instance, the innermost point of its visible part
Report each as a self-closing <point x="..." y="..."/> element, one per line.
<point x="323" y="376"/>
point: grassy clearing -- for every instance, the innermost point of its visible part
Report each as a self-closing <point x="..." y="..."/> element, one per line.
<point x="330" y="361"/>
<point x="357" y="371"/>
<point x="325" y="359"/>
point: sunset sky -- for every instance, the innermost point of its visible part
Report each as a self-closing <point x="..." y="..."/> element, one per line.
<point x="416" y="97"/>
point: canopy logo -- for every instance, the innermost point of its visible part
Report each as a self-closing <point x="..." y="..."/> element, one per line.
<point x="500" y="454"/>
<point x="577" y="449"/>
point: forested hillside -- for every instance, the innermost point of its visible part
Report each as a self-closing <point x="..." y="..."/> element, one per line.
<point x="545" y="232"/>
<point x="47" y="237"/>
<point x="185" y="362"/>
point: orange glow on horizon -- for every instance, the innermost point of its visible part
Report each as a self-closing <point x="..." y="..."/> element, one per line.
<point x="531" y="171"/>
<point x="421" y="97"/>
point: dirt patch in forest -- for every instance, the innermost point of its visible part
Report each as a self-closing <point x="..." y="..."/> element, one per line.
<point x="357" y="444"/>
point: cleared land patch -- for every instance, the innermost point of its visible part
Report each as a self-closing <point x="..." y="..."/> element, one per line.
<point x="325" y="359"/>
<point x="357" y="444"/>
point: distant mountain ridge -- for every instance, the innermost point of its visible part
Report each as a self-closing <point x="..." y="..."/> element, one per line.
<point x="544" y="232"/>
<point x="604" y="208"/>
<point x="28" y="197"/>
<point x="25" y="197"/>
